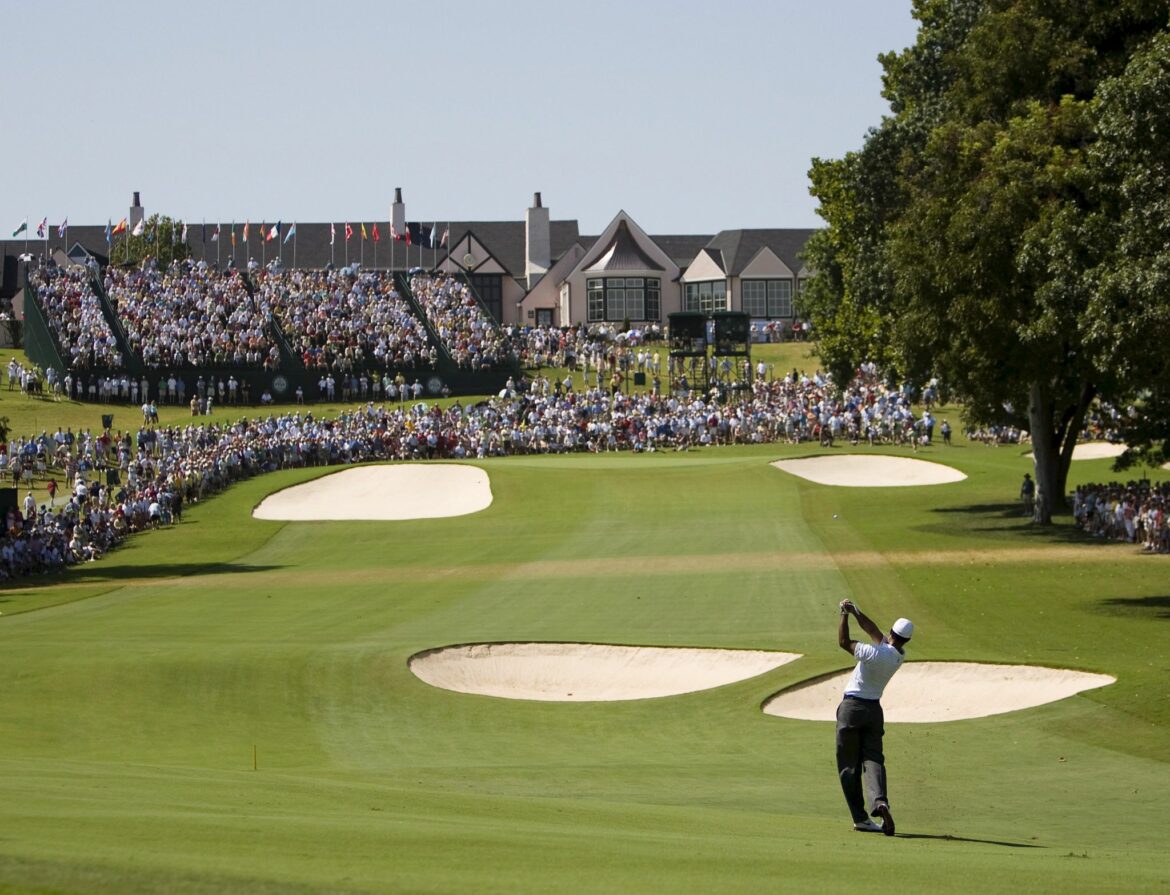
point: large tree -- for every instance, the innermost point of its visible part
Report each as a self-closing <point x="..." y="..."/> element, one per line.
<point x="985" y="254"/>
<point x="162" y="239"/>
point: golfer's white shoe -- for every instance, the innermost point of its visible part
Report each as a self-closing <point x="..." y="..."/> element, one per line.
<point x="867" y="826"/>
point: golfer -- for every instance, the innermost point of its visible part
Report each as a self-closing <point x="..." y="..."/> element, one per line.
<point x="860" y="720"/>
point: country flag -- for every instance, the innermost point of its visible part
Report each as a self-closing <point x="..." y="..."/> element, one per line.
<point x="292" y="231"/>
<point x="21" y="229"/>
<point x="121" y="228"/>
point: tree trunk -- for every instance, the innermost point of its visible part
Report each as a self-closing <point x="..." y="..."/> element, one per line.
<point x="1052" y="447"/>
<point x="1045" y="452"/>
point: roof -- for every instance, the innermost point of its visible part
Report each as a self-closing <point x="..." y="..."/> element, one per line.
<point x="623" y="253"/>
<point x="682" y="249"/>
<point x="506" y="240"/>
<point x="739" y="247"/>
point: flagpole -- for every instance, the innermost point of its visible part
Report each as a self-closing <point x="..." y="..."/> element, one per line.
<point x="362" y="262"/>
<point x="375" y="254"/>
<point x="294" y="245"/>
<point x="346" y="235"/>
<point x="332" y="240"/>
<point x="218" y="243"/>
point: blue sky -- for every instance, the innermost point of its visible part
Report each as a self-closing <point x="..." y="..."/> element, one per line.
<point x="693" y="117"/>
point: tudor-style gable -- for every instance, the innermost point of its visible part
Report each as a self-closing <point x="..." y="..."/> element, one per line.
<point x="708" y="265"/>
<point x="767" y="264"/>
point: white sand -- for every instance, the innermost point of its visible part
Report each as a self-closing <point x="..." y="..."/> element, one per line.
<point x="870" y="471"/>
<point x="943" y="691"/>
<point x="399" y="491"/>
<point x="1094" y="450"/>
<point x="587" y="672"/>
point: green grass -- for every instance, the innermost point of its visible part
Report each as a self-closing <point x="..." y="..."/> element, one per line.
<point x="136" y="689"/>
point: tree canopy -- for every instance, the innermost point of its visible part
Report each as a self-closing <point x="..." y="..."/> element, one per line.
<point x="1005" y="226"/>
<point x="162" y="239"/>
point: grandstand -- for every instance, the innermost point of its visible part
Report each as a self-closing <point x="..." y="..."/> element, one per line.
<point x="272" y="313"/>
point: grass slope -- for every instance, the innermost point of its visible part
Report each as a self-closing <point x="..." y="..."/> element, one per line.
<point x="137" y="688"/>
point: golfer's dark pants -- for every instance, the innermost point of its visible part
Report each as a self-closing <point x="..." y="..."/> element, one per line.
<point x="860" y="725"/>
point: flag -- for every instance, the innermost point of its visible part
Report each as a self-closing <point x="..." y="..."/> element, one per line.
<point x="364" y="235"/>
<point x="394" y="232"/>
<point x="332" y="234"/>
<point x="292" y="231"/>
<point x="139" y="228"/>
<point x="348" y="231"/>
<point x="42" y="228"/>
<point x="215" y="234"/>
<point x="246" y="226"/>
<point x="233" y="234"/>
<point x="109" y="230"/>
<point x="377" y="235"/>
<point x="274" y="233"/>
<point x="446" y="233"/>
<point x="408" y="234"/>
<point x="63" y="228"/>
<point x="21" y="229"/>
<point x="434" y="235"/>
<point x="121" y="228"/>
<point x="184" y="239"/>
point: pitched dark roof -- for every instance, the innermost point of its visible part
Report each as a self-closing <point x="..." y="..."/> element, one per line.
<point x="682" y="249"/>
<point x="505" y="240"/>
<point x="623" y="253"/>
<point x="739" y="247"/>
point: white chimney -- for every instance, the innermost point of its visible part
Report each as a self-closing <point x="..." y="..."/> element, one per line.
<point x="537" y="241"/>
<point x="398" y="213"/>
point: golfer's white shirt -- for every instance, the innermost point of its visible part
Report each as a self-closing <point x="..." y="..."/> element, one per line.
<point x="875" y="666"/>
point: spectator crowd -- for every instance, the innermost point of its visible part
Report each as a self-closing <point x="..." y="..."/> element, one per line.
<point x="74" y="314"/>
<point x="1134" y="512"/>
<point x="346" y="320"/>
<point x="468" y="333"/>
<point x="190" y="315"/>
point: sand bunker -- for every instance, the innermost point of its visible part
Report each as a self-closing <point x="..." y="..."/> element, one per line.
<point x="943" y="691"/>
<point x="401" y="491"/>
<point x="1094" y="450"/>
<point x="587" y="672"/>
<point x="870" y="471"/>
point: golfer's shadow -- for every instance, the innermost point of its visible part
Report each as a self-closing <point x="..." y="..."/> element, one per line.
<point x="947" y="838"/>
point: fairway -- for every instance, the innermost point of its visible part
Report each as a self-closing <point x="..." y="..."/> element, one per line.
<point x="228" y="705"/>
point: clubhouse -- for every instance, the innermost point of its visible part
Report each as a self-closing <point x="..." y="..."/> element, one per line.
<point x="536" y="271"/>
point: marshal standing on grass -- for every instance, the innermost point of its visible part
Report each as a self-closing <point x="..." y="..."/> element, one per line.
<point x="860" y="721"/>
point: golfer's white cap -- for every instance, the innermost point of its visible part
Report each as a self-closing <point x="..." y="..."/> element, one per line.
<point x="904" y="628"/>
